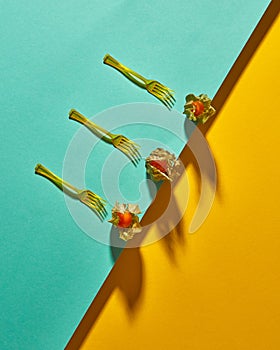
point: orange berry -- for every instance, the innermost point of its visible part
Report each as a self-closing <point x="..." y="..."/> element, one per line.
<point x="199" y="108"/>
<point x="125" y="219"/>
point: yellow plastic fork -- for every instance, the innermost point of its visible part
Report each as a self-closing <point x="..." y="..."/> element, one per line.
<point x="90" y="199"/>
<point x="128" y="147"/>
<point x="161" y="92"/>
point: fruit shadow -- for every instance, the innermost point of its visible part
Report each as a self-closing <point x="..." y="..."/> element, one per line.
<point x="197" y="153"/>
<point x="165" y="214"/>
<point x="129" y="269"/>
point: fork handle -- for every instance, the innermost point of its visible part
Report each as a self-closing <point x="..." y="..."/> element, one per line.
<point x="57" y="181"/>
<point x="127" y="72"/>
<point x="94" y="128"/>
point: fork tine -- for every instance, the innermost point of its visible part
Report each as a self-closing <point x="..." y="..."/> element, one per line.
<point x="95" y="196"/>
<point x="130" y="148"/>
<point x="169" y="102"/>
<point x="164" y="87"/>
<point x="100" y="213"/>
<point x="161" y="87"/>
<point x="138" y="154"/>
<point x="156" y="92"/>
<point x="90" y="203"/>
<point x="133" y="159"/>
<point x="165" y="90"/>
<point x="161" y="90"/>
<point x="170" y="95"/>
<point x="162" y="95"/>
<point x="167" y="99"/>
<point x="101" y="207"/>
<point x="98" y="201"/>
<point x="124" y="138"/>
<point x="127" y="143"/>
<point x="132" y="142"/>
<point x="166" y="105"/>
<point x="133" y="156"/>
<point x="95" y="204"/>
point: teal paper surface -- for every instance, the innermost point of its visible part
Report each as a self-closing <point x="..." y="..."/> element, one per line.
<point x="51" y="61"/>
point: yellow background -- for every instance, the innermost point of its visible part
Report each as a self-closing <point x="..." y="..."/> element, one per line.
<point x="220" y="287"/>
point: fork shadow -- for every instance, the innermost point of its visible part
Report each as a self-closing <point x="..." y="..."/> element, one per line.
<point x="199" y="156"/>
<point x="128" y="271"/>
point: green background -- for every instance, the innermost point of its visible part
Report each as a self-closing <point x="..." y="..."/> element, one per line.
<point x="51" y="61"/>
